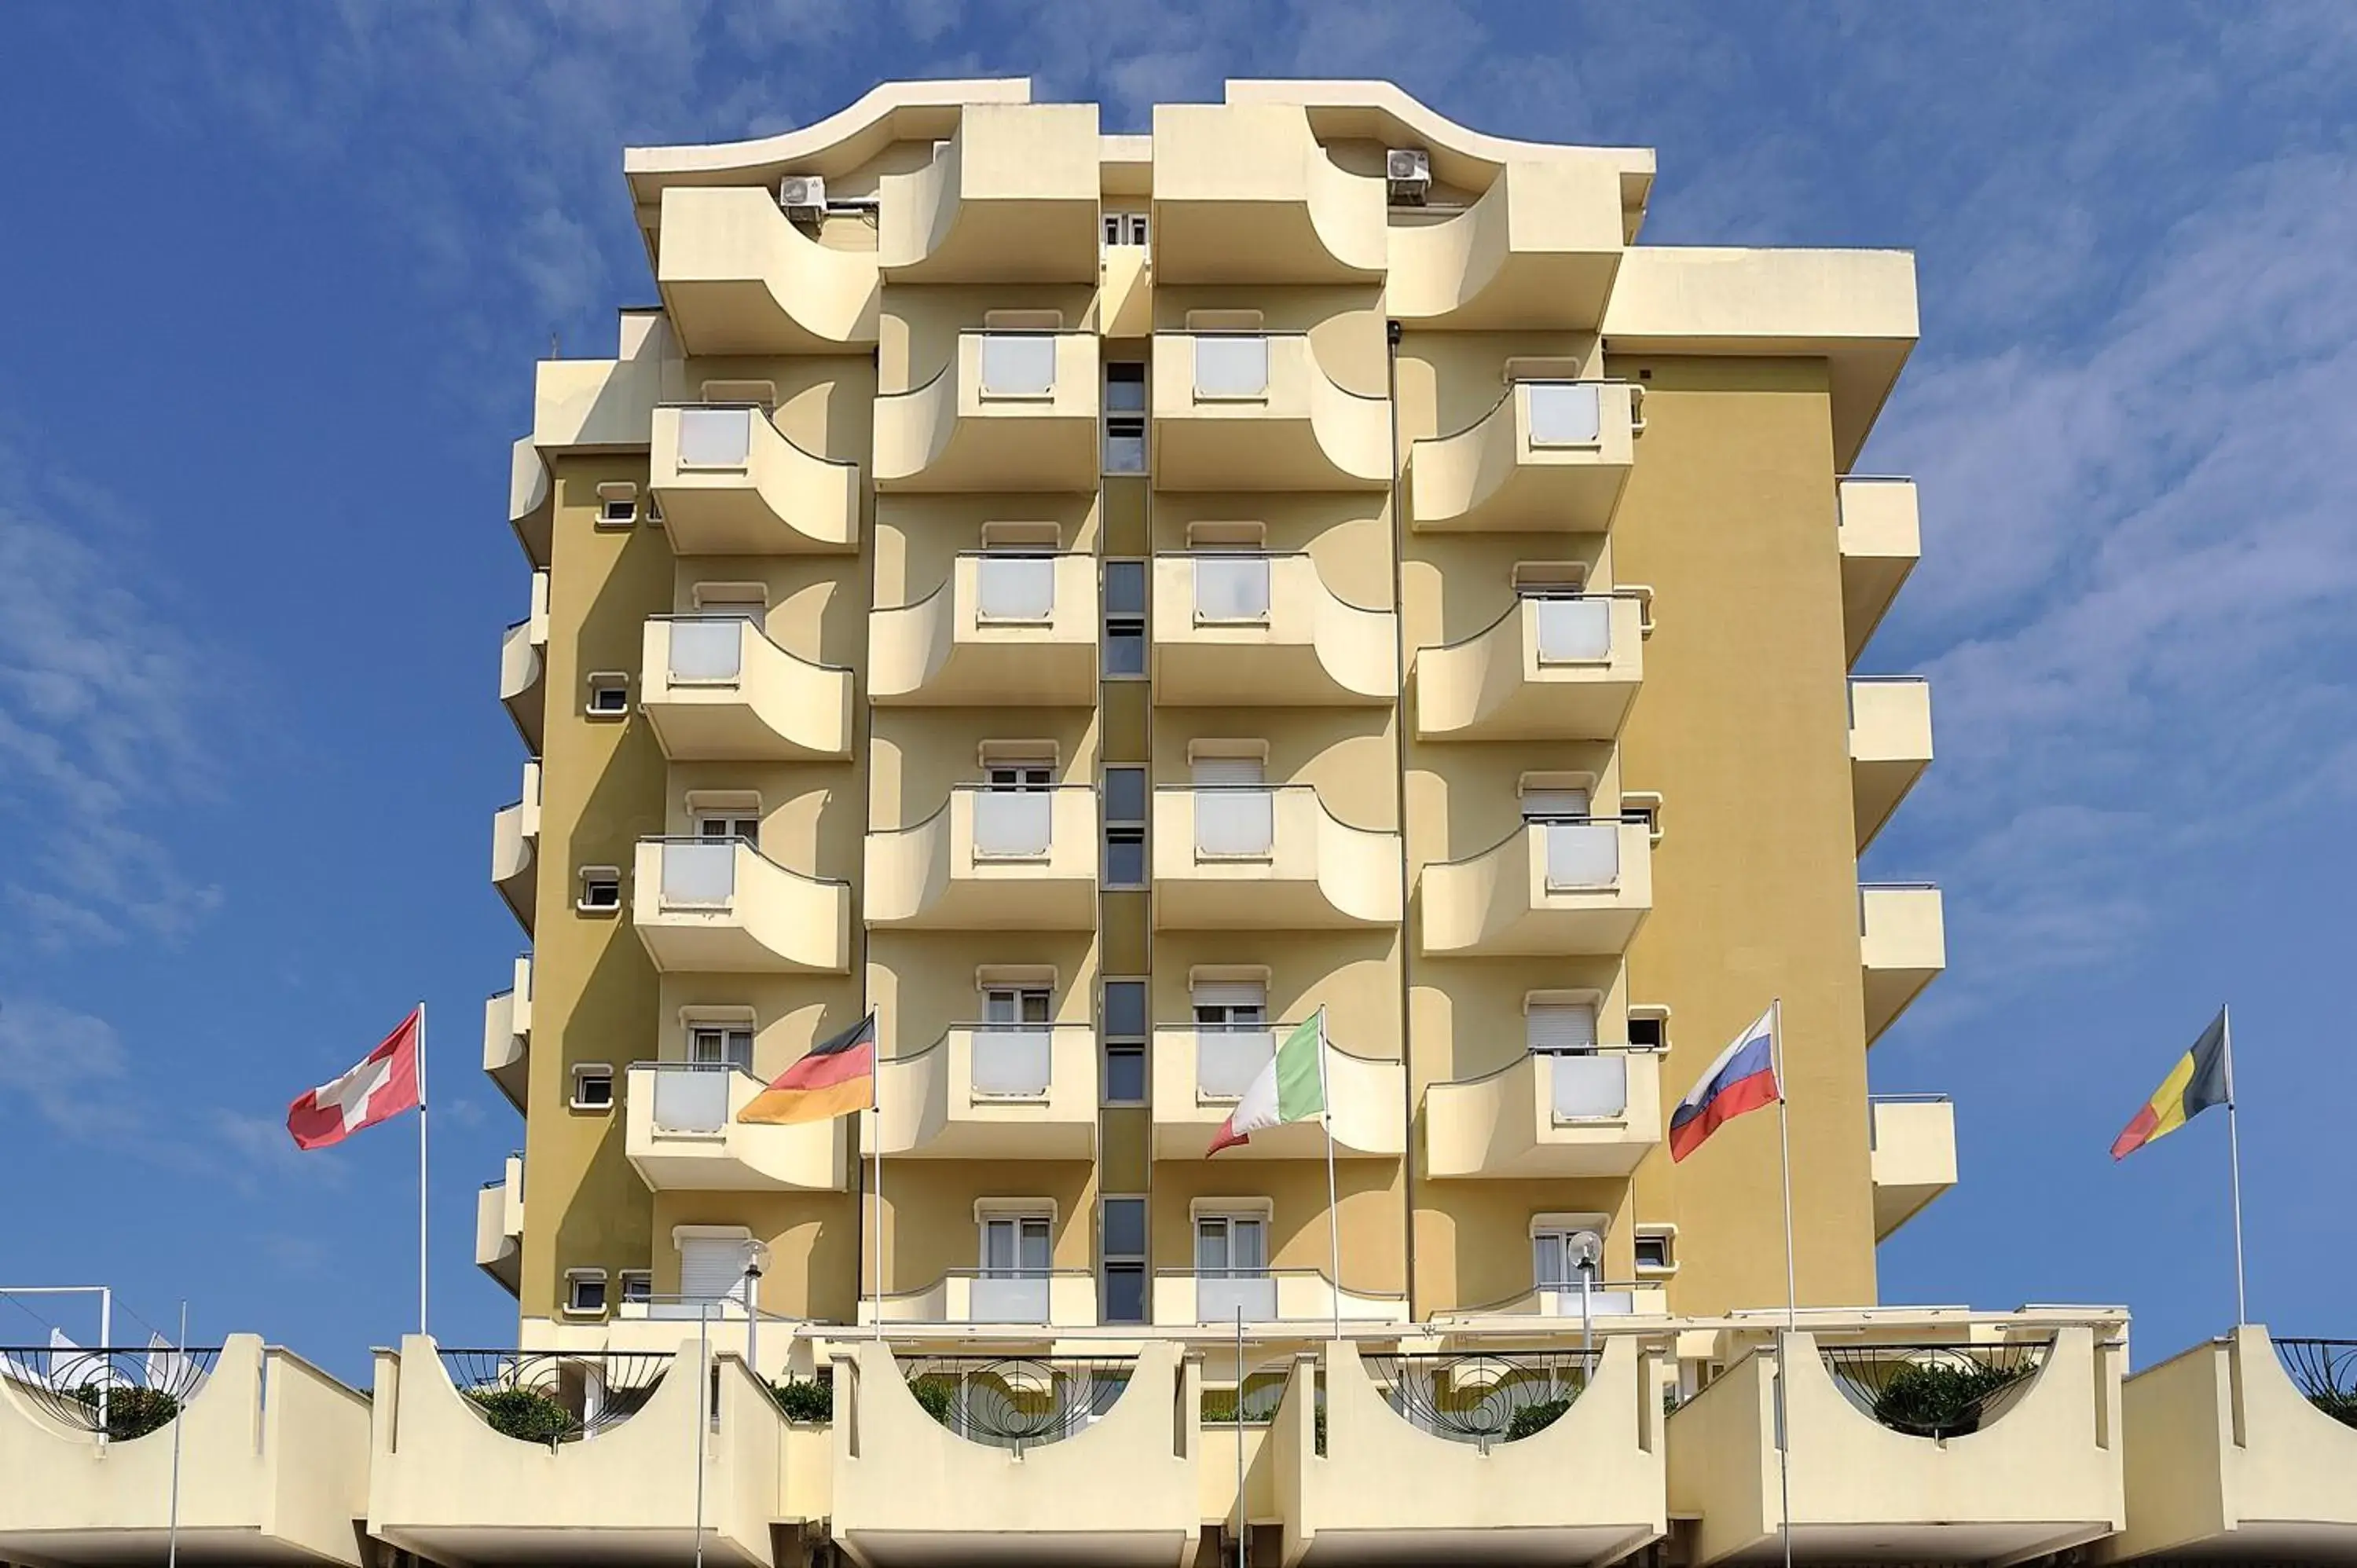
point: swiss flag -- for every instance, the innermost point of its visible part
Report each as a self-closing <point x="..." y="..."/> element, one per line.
<point x="382" y="1087"/>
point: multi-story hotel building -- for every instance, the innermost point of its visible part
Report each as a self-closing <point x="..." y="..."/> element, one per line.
<point x="1096" y="602"/>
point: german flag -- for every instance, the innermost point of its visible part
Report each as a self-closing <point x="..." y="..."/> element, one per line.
<point x="836" y="1077"/>
<point x="2203" y="1077"/>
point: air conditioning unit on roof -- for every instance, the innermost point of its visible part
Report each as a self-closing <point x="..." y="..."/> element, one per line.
<point x="803" y="196"/>
<point x="1407" y="175"/>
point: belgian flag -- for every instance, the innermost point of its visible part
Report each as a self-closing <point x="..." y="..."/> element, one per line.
<point x="836" y="1078"/>
<point x="2203" y="1077"/>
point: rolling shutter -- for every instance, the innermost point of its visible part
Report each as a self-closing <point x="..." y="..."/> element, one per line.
<point x="1560" y="1026"/>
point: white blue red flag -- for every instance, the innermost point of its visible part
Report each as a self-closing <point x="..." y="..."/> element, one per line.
<point x="1742" y="1078"/>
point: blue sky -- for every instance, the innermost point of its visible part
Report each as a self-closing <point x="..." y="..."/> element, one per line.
<point x="281" y="273"/>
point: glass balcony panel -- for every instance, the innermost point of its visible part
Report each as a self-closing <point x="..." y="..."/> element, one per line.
<point x="1231" y="366"/>
<point x="1240" y="823"/>
<point x="1590" y="1088"/>
<point x="711" y="649"/>
<point x="715" y="438"/>
<point x="1011" y="1062"/>
<point x="692" y="1098"/>
<point x="1233" y="589"/>
<point x="1582" y="854"/>
<point x="1013" y="823"/>
<point x="1008" y="1299"/>
<point x="1016" y="587"/>
<point x="702" y="872"/>
<point x="1220" y="1299"/>
<point x="1565" y="413"/>
<point x="1227" y="1060"/>
<point x="1570" y="1300"/>
<point x="1575" y="630"/>
<point x="1018" y="364"/>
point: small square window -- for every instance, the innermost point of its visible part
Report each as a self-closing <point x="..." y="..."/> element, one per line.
<point x="601" y="889"/>
<point x="609" y="694"/>
<point x="1124" y="647"/>
<point x="618" y="511"/>
<point x="1656" y="1251"/>
<point x="1124" y="588"/>
<point x="1124" y="1009"/>
<point x="1124" y="796"/>
<point x="638" y="1284"/>
<point x="1649" y="1029"/>
<point x="584" y="1292"/>
<point x="1124" y="1074"/>
<point x="1124" y="857"/>
<point x="593" y="1087"/>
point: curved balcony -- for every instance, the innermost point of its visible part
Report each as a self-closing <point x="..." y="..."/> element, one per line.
<point x="1548" y="1113"/>
<point x="1244" y="194"/>
<point x="716" y="689"/>
<point x="732" y="483"/>
<point x="720" y="906"/>
<point x="1011" y="197"/>
<point x="1536" y="252"/>
<point x="1267" y="1297"/>
<point x="1200" y="1073"/>
<point x="1268" y="859"/>
<point x="1912" y="1143"/>
<point x="1550" y="457"/>
<point x="681" y="1134"/>
<point x="2235" y="1453"/>
<point x="498" y="1226"/>
<point x="515" y="841"/>
<point x="1014" y="411"/>
<point x="1889" y="746"/>
<point x="271" y="1457"/>
<point x="738" y="277"/>
<point x="523" y="668"/>
<point x="531" y="502"/>
<point x="2031" y="1468"/>
<point x="996" y="1092"/>
<point x="507" y="1035"/>
<point x="1005" y="630"/>
<point x="1546" y="887"/>
<point x="1122" y="1489"/>
<point x="448" y="1487"/>
<point x="1587" y="1306"/>
<point x="1551" y="667"/>
<point x="1426" y="1458"/>
<point x="1903" y="947"/>
<point x="990" y="860"/>
<point x="1260" y="630"/>
<point x="1881" y="540"/>
<point x="1051" y="1298"/>
<point x="1248" y="410"/>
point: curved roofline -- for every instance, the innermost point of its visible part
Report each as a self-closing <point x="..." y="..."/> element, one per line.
<point x="873" y="112"/>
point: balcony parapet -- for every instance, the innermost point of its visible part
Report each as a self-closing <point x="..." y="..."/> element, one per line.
<point x="1244" y="194"/>
<point x="1011" y="411"/>
<point x="1889" y="746"/>
<point x="1007" y="1092"/>
<point x="1011" y="197"/>
<point x="731" y="483"/>
<point x="1262" y="629"/>
<point x="1881" y="540"/>
<point x="716" y="688"/>
<point x="1200" y="1073"/>
<point x="1536" y="252"/>
<point x="498" y="1226"/>
<point x="1563" y="887"/>
<point x="681" y="1134"/>
<point x="719" y="906"/>
<point x="1255" y="411"/>
<point x="532" y="504"/>
<point x="507" y="1035"/>
<point x="1267" y="857"/>
<point x="1005" y="1298"/>
<point x="1006" y="628"/>
<point x="515" y="841"/>
<point x="1267" y="1298"/>
<point x="1912" y="1140"/>
<point x="1548" y="457"/>
<point x="738" y="277"/>
<point x="988" y="859"/>
<point x="1902" y="946"/>
<point x="523" y="660"/>
<point x="1553" y="667"/>
<point x="1548" y="1113"/>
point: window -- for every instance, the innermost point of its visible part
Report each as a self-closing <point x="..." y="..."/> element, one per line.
<point x="584" y="1292"/>
<point x="1125" y="229"/>
<point x="1565" y="1259"/>
<point x="1014" y="1246"/>
<point x="638" y="1284"/>
<point x="617" y="505"/>
<point x="730" y="825"/>
<point x="1231" y="1246"/>
<point x="1021" y="775"/>
<point x="609" y="694"/>
<point x="1643" y="805"/>
<point x="1649" y="1027"/>
<point x="1124" y="428"/>
<point x="1121" y="1244"/>
<point x="1553" y="1024"/>
<point x="1124" y="618"/>
<point x="721" y="1045"/>
<point x="1125" y="1042"/>
<point x="1657" y="1249"/>
<point x="1554" y="803"/>
<point x="601" y="889"/>
<point x="593" y="1087"/>
<point x="1124" y="386"/>
<point x="1125" y="815"/>
<point x="1230" y="1004"/>
<point x="1015" y="1005"/>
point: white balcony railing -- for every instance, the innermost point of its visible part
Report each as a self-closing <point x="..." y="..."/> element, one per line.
<point x="1013" y="825"/>
<point x="1565" y="413"/>
<point x="1018" y="364"/>
<point x="1230" y="589"/>
<point x="716" y="438"/>
<point x="1228" y="1059"/>
<point x="1015" y="587"/>
<point x="1237" y="822"/>
<point x="699" y="871"/>
<point x="1589" y="1088"/>
<point x="691" y="1098"/>
<point x="707" y="649"/>
<point x="1013" y="1061"/>
<point x="1231" y="365"/>
<point x="1582" y="855"/>
<point x="1574" y="631"/>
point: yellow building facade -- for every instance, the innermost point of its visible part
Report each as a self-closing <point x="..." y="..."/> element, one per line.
<point x="1099" y="602"/>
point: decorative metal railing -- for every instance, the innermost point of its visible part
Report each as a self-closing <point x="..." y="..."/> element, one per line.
<point x="1935" y="1390"/>
<point x="1016" y="1402"/>
<point x="1482" y="1397"/>
<point x="117" y="1395"/>
<point x="555" y="1396"/>
<point x="2325" y="1371"/>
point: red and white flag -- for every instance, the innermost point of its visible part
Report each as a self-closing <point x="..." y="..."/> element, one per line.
<point x="382" y="1087"/>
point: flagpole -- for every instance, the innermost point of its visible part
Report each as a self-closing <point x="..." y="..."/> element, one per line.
<point x="2235" y="1163"/>
<point x="1792" y="1281"/>
<point x="1334" y="1214"/>
<point x="172" y="1520"/>
<point x="421" y="1167"/>
<point x="875" y="1105"/>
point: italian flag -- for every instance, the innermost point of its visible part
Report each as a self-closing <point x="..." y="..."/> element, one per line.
<point x="1291" y="1087"/>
